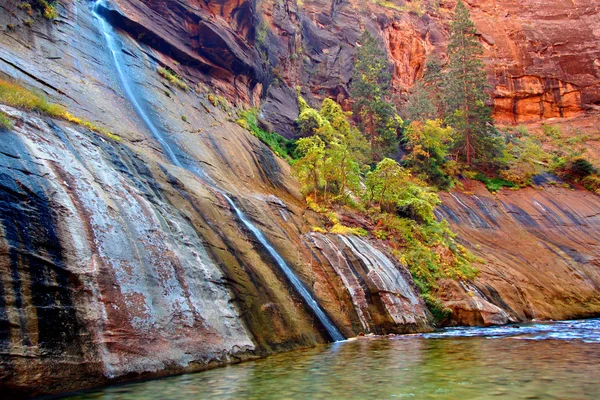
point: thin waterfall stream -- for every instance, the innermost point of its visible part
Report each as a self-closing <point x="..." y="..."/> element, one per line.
<point x="171" y="149"/>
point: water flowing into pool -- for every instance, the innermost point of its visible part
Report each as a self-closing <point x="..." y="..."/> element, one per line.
<point x="172" y="151"/>
<point x="534" y="361"/>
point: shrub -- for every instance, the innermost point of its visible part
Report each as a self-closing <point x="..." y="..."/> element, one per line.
<point x="15" y="95"/>
<point x="47" y="9"/>
<point x="494" y="184"/>
<point x="592" y="182"/>
<point x="579" y="168"/>
<point x="439" y="312"/>
<point x="173" y="78"/>
<point x="553" y="132"/>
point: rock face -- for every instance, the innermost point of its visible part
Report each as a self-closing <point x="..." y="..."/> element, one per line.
<point x="376" y="284"/>
<point x="541" y="250"/>
<point x="123" y="259"/>
<point x="543" y="60"/>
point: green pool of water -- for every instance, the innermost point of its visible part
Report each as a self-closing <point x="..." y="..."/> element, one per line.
<point x="539" y="361"/>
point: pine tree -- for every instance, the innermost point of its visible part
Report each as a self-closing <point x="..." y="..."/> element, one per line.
<point x="433" y="80"/>
<point x="419" y="106"/>
<point x="425" y="100"/>
<point x="370" y="89"/>
<point x="465" y="93"/>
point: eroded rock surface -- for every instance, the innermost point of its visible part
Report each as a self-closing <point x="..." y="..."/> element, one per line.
<point x="541" y="250"/>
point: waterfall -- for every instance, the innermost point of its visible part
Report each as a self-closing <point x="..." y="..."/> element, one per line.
<point x="171" y="149"/>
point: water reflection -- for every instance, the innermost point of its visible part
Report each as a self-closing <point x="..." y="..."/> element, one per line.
<point x="469" y="363"/>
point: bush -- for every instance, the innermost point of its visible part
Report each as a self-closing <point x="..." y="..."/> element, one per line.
<point x="592" y="182"/>
<point x="340" y="229"/>
<point x="47" y="9"/>
<point x="15" y="95"/>
<point x="579" y="168"/>
<point x="494" y="184"/>
<point x="439" y="312"/>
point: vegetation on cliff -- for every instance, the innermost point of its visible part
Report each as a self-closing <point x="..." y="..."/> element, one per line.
<point x="477" y="141"/>
<point x="173" y="78"/>
<point x="281" y="146"/>
<point x="46" y="8"/>
<point x="399" y="207"/>
<point x="13" y="94"/>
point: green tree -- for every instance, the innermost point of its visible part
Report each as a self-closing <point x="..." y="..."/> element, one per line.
<point x="370" y="89"/>
<point x="419" y="106"/>
<point x="433" y="79"/>
<point x="425" y="100"/>
<point x="309" y="119"/>
<point x="345" y="148"/>
<point x="465" y="94"/>
<point x="428" y="145"/>
<point x="383" y="182"/>
<point x="331" y="158"/>
<point x="396" y="191"/>
<point x="309" y="168"/>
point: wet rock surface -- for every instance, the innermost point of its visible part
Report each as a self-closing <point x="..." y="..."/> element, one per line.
<point x="541" y="249"/>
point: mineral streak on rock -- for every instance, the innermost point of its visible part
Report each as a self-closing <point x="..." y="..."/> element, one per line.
<point x="378" y="285"/>
<point x="541" y="250"/>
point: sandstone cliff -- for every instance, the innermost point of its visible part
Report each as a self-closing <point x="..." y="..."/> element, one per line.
<point x="121" y="260"/>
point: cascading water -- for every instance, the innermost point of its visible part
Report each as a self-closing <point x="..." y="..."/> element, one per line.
<point x="300" y="288"/>
<point x="171" y="149"/>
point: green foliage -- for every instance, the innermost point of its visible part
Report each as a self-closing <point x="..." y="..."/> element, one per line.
<point x="551" y="131"/>
<point x="405" y="217"/>
<point x="428" y="249"/>
<point x="428" y="145"/>
<point x="340" y="229"/>
<point x="400" y="206"/>
<point x="439" y="312"/>
<point x="477" y="140"/>
<point x="395" y="190"/>
<point x="412" y="7"/>
<point x="494" y="184"/>
<point x="370" y="89"/>
<point x="580" y="168"/>
<point x="15" y="95"/>
<point x="309" y="121"/>
<point x="309" y="167"/>
<point x="281" y="146"/>
<point x="342" y="150"/>
<point x="46" y="8"/>
<point x="592" y="182"/>
<point x="173" y="78"/>
<point x="420" y="106"/>
<point x="5" y="122"/>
